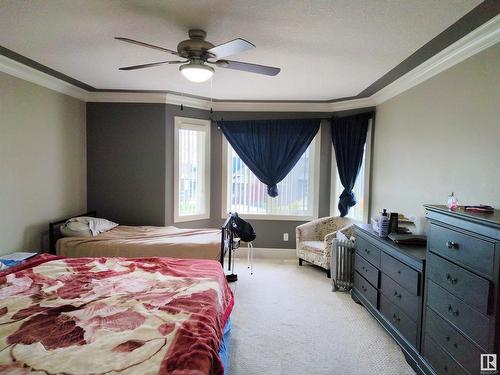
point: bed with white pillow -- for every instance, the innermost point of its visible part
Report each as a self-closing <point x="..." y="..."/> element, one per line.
<point x="89" y="236"/>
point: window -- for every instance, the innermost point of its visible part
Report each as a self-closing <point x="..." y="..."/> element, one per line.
<point x="191" y="169"/>
<point x="358" y="212"/>
<point x="298" y="191"/>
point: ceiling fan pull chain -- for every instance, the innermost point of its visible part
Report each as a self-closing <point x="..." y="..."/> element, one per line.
<point x="211" y="96"/>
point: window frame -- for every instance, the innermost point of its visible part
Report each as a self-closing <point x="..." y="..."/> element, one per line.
<point x="334" y="210"/>
<point x="315" y="188"/>
<point x="198" y="125"/>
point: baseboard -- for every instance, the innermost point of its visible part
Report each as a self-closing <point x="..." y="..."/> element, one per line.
<point x="269" y="253"/>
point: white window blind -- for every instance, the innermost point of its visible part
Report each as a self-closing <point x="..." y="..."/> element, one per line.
<point x="245" y="194"/>
<point x="192" y="169"/>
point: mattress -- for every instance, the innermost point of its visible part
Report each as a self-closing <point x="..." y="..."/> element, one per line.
<point x="101" y="315"/>
<point x="145" y="241"/>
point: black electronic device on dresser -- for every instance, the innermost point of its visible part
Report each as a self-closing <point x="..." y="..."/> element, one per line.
<point x="388" y="281"/>
<point x="462" y="303"/>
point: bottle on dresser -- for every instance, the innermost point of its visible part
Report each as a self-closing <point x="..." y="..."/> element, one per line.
<point x="384" y="224"/>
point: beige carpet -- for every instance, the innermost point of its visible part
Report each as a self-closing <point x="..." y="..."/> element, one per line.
<point x="286" y="320"/>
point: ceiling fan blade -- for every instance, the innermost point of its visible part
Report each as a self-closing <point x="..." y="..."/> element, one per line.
<point x="128" y="40"/>
<point x="247" y="67"/>
<point x="231" y="48"/>
<point x="134" y="67"/>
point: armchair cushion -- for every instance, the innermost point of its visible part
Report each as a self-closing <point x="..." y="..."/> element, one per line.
<point x="316" y="247"/>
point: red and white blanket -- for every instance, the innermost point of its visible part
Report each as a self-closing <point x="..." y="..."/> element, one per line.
<point x="113" y="315"/>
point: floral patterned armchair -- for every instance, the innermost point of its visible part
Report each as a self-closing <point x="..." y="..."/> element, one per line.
<point x="314" y="239"/>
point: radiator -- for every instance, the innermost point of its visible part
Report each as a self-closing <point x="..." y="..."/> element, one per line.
<point x="342" y="264"/>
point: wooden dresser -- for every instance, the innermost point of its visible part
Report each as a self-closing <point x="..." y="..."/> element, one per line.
<point x="462" y="304"/>
<point x="388" y="281"/>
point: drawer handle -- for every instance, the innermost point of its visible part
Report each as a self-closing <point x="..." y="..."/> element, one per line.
<point x="397" y="295"/>
<point x="448" y="339"/>
<point x="396" y="318"/>
<point x="363" y="288"/>
<point x="452" y="280"/>
<point x="451" y="245"/>
<point x="367" y="251"/>
<point x="454" y="312"/>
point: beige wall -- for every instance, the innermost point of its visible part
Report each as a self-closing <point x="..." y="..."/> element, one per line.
<point x="42" y="161"/>
<point x="441" y="136"/>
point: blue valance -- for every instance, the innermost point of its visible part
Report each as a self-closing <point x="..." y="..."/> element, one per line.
<point x="270" y="148"/>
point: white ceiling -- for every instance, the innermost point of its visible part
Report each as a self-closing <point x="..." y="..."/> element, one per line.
<point x="326" y="48"/>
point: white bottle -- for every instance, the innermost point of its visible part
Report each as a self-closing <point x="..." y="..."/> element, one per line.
<point x="384" y="224"/>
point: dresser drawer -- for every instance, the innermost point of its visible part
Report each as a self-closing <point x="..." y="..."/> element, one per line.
<point x="401" y="321"/>
<point x="440" y="360"/>
<point x="468" y="320"/>
<point x="464" y="352"/>
<point x="467" y="250"/>
<point x="368" y="271"/>
<point x="471" y="288"/>
<point x="365" y="288"/>
<point x="399" y="296"/>
<point x="404" y="275"/>
<point x="368" y="251"/>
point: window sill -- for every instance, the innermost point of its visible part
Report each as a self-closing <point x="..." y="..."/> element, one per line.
<point x="274" y="217"/>
<point x="183" y="219"/>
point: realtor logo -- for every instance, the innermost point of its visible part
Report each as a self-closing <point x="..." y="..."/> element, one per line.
<point x="488" y="364"/>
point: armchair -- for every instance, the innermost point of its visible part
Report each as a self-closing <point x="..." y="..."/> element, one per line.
<point x="314" y="240"/>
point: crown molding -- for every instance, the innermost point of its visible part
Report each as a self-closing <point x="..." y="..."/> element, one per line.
<point x="476" y="41"/>
<point x="189" y="101"/>
<point x="32" y="75"/>
<point x="251" y="106"/>
<point x="126" y="97"/>
<point x="227" y="106"/>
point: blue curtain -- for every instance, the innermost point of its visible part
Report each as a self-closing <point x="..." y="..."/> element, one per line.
<point x="270" y="148"/>
<point x="349" y="138"/>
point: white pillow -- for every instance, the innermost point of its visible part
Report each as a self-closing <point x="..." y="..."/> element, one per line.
<point x="75" y="229"/>
<point x="85" y="226"/>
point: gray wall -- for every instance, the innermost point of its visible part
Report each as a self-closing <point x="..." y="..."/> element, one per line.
<point x="126" y="162"/>
<point x="130" y="150"/>
<point x="441" y="136"/>
<point x="42" y="162"/>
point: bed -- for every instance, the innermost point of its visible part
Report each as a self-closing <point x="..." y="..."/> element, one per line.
<point x="120" y="315"/>
<point x="139" y="241"/>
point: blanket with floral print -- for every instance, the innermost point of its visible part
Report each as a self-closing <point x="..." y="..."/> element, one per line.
<point x="113" y="316"/>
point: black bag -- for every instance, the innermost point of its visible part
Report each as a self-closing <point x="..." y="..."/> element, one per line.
<point x="242" y="229"/>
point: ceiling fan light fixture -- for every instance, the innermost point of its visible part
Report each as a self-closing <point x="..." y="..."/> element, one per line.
<point x="196" y="72"/>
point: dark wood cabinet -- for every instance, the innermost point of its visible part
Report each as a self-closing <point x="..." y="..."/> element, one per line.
<point x="388" y="281"/>
<point x="441" y="304"/>
<point x="462" y="318"/>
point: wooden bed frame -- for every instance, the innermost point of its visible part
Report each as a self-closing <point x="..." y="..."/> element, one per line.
<point x="55" y="231"/>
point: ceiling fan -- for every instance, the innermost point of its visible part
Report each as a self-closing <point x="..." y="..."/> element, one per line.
<point x="198" y="52"/>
